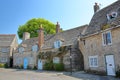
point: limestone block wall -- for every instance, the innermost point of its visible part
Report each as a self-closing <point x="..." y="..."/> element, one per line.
<point x="77" y="60"/>
<point x="93" y="46"/>
<point x="18" y="59"/>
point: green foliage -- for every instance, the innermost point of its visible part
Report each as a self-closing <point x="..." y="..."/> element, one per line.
<point x="34" y="68"/>
<point x="118" y="72"/>
<point x="21" y="66"/>
<point x="58" y="66"/>
<point x="2" y="65"/>
<point x="6" y="65"/>
<point x="32" y="26"/>
<point x="105" y="27"/>
<point x="48" y="65"/>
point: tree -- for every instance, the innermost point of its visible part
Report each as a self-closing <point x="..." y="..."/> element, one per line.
<point x="32" y="26"/>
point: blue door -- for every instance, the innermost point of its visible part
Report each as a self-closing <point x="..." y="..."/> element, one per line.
<point x="40" y="67"/>
<point x="25" y="63"/>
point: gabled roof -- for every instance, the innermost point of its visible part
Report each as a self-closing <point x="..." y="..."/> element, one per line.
<point x="67" y="37"/>
<point x="100" y="18"/>
<point x="6" y="39"/>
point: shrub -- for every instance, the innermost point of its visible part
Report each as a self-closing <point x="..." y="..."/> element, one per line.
<point x="21" y="66"/>
<point x="118" y="71"/>
<point x="6" y="65"/>
<point x="2" y="65"/>
<point x="48" y="65"/>
<point x="58" y="66"/>
<point x="28" y="67"/>
<point x="34" y="68"/>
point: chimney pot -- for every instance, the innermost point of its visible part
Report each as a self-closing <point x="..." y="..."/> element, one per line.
<point x="96" y="7"/>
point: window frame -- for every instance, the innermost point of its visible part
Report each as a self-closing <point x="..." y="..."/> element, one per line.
<point x="4" y="50"/>
<point x="21" y="50"/>
<point x="57" y="44"/>
<point x="35" y="48"/>
<point x="105" y="38"/>
<point x="92" y="64"/>
<point x="112" y="14"/>
<point x="3" y="59"/>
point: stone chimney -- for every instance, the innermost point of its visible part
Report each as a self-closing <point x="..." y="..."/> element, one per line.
<point x="58" y="28"/>
<point x="96" y="7"/>
<point x="26" y="35"/>
<point x="41" y="37"/>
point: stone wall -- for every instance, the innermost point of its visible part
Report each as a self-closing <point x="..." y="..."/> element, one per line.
<point x="93" y="46"/>
<point x="18" y="59"/>
<point x="77" y="59"/>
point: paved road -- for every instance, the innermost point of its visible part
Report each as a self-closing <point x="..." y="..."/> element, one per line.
<point x="14" y="74"/>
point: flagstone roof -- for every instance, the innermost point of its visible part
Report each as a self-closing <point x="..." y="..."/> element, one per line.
<point x="99" y="19"/>
<point x="6" y="39"/>
<point x="67" y="37"/>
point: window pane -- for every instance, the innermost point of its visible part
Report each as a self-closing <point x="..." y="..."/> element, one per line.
<point x="4" y="50"/>
<point x="104" y="38"/>
<point x="108" y="38"/>
<point x="95" y="62"/>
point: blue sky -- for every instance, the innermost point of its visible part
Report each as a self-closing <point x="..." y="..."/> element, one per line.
<point x="69" y="13"/>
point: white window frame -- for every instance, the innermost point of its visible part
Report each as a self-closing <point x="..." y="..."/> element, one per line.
<point x="57" y="44"/>
<point x="112" y="14"/>
<point x="3" y="59"/>
<point x="93" y="64"/>
<point x="104" y="40"/>
<point x="4" y="50"/>
<point x="21" y="50"/>
<point x="35" y="48"/>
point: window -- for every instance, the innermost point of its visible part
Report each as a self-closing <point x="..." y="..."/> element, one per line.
<point x="107" y="38"/>
<point x="18" y="61"/>
<point x="3" y="59"/>
<point x="93" y="61"/>
<point x="57" y="44"/>
<point x="35" y="48"/>
<point x="56" y="60"/>
<point x="21" y="50"/>
<point x="4" y="50"/>
<point x="111" y="15"/>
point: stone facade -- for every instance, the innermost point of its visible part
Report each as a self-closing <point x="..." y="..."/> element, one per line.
<point x="92" y="42"/>
<point x="8" y="43"/>
<point x="51" y="44"/>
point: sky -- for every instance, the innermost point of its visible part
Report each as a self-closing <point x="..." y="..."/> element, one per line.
<point x="69" y="13"/>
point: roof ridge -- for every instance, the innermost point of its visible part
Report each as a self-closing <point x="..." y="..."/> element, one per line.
<point x="74" y="28"/>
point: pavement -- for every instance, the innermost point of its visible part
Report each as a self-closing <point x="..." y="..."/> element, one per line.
<point x="18" y="74"/>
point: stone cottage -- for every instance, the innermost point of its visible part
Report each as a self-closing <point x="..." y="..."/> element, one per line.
<point x="46" y="45"/>
<point x="8" y="43"/>
<point x="100" y="45"/>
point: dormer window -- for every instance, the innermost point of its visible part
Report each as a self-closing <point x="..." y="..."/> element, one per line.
<point x="21" y="50"/>
<point x="35" y="48"/>
<point x="111" y="15"/>
<point x="57" y="44"/>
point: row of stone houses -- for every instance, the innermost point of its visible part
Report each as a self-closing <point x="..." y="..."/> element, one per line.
<point x="93" y="47"/>
<point x="28" y="51"/>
